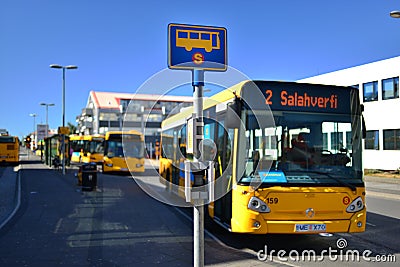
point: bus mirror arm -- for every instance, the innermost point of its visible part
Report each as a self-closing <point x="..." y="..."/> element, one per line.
<point x="232" y="116"/>
<point x="364" y="128"/>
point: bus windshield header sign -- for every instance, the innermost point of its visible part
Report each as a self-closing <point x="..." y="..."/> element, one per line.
<point x="196" y="47"/>
<point x="305" y="97"/>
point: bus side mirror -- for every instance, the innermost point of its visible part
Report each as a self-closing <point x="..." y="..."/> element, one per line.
<point x="364" y="128"/>
<point x="232" y="116"/>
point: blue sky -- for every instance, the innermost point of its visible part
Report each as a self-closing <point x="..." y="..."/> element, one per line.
<point x="117" y="45"/>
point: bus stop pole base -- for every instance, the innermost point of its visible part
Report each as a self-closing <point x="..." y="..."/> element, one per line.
<point x="198" y="227"/>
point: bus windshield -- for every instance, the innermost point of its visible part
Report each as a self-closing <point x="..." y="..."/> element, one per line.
<point x="124" y="145"/>
<point x="301" y="148"/>
<point x="7" y="139"/>
<point x="96" y="146"/>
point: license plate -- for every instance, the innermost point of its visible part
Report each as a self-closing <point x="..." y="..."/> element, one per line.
<point x="310" y="227"/>
<point x="124" y="169"/>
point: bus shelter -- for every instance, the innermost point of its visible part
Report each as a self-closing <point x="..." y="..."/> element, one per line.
<point x="52" y="149"/>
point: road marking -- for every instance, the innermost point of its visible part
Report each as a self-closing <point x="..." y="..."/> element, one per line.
<point x="371" y="224"/>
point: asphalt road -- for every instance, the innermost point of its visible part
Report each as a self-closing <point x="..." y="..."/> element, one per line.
<point x="58" y="224"/>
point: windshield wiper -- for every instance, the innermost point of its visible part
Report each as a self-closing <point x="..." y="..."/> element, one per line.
<point x="340" y="181"/>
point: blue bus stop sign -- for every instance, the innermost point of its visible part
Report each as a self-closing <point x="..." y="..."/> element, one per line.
<point x="197" y="47"/>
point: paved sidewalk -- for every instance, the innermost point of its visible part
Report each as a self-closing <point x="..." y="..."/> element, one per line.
<point x="379" y="179"/>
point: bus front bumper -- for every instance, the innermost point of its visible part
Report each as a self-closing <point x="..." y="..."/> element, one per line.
<point x="259" y="225"/>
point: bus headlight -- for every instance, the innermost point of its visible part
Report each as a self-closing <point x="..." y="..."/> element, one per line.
<point x="109" y="164"/>
<point x="356" y="205"/>
<point x="139" y="165"/>
<point x="258" y="205"/>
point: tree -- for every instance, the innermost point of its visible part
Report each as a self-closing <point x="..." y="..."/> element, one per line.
<point x="72" y="128"/>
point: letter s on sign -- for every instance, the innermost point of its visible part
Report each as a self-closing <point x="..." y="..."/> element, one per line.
<point x="198" y="58"/>
<point x="283" y="98"/>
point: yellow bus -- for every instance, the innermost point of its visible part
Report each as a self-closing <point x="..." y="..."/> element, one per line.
<point x="93" y="149"/>
<point x="123" y="152"/>
<point x="288" y="157"/>
<point x="9" y="150"/>
<point x="77" y="145"/>
<point x="87" y="148"/>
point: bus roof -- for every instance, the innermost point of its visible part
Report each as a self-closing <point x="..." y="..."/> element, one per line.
<point x="122" y="132"/>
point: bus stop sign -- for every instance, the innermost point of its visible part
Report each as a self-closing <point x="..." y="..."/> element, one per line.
<point x="197" y="47"/>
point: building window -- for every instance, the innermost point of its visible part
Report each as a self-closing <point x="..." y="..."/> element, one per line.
<point x="390" y="88"/>
<point x="370" y="91"/>
<point x="391" y="139"/>
<point x="372" y="140"/>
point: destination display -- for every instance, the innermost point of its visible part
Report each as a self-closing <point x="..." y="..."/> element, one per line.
<point x="305" y="97"/>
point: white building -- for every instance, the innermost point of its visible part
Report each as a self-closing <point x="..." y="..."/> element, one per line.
<point x="110" y="111"/>
<point x="378" y="83"/>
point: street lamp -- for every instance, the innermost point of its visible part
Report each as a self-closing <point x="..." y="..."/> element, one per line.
<point x="69" y="67"/>
<point x="395" y="14"/>
<point x="34" y="115"/>
<point x="47" y="115"/>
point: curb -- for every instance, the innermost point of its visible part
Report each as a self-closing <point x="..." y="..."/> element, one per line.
<point x="17" y="199"/>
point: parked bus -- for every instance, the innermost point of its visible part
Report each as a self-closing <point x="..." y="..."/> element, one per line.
<point x="77" y="145"/>
<point x="93" y="150"/>
<point x="9" y="149"/>
<point x="290" y="162"/>
<point x="123" y="151"/>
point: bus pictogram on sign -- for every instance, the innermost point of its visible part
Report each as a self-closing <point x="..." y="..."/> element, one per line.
<point x="196" y="47"/>
<point x="190" y="39"/>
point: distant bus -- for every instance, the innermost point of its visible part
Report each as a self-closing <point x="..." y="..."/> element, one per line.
<point x="93" y="149"/>
<point x="77" y="145"/>
<point x="123" y="152"/>
<point x="9" y="150"/>
<point x="288" y="157"/>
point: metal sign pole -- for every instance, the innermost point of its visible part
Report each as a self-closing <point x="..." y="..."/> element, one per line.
<point x="182" y="56"/>
<point x="198" y="208"/>
<point x="63" y="122"/>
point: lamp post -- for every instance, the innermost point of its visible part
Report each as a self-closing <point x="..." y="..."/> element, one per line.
<point x="69" y="67"/>
<point x="47" y="115"/>
<point x="34" y="115"/>
<point x="395" y="14"/>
